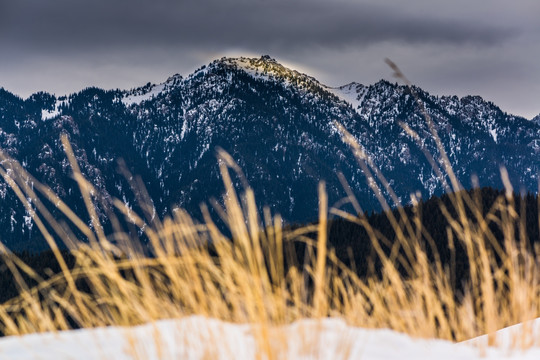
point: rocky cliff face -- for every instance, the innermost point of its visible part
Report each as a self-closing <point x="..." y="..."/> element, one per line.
<point x="277" y="123"/>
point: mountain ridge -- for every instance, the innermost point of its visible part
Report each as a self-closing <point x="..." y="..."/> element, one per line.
<point x="277" y="123"/>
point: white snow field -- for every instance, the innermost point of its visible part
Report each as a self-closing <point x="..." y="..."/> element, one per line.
<point x="197" y="337"/>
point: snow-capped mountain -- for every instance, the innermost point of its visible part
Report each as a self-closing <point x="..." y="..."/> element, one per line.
<point x="277" y="123"/>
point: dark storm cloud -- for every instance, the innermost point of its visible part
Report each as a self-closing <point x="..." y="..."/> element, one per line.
<point x="459" y="47"/>
<point x="71" y="25"/>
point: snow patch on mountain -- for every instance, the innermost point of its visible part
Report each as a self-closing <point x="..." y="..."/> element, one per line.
<point x="139" y="97"/>
<point x="493" y="134"/>
<point x="149" y="91"/>
<point x="352" y="94"/>
<point x="48" y="114"/>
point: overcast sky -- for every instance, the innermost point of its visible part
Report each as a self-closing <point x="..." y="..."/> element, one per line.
<point x="482" y="47"/>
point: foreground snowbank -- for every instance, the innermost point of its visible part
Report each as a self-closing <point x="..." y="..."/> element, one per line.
<point x="201" y="338"/>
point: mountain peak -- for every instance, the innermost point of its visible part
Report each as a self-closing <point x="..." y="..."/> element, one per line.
<point x="268" y="68"/>
<point x="536" y="119"/>
<point x="252" y="61"/>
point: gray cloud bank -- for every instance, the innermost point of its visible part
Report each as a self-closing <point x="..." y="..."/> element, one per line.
<point x="71" y="25"/>
<point x="464" y="47"/>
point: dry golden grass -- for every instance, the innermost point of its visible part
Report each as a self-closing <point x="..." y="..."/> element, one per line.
<point x="245" y="278"/>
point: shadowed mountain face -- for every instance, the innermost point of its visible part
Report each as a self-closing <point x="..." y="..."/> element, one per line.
<point x="276" y="123"/>
<point x="536" y="119"/>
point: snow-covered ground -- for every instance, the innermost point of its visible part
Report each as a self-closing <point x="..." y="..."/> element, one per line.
<point x="201" y="338"/>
